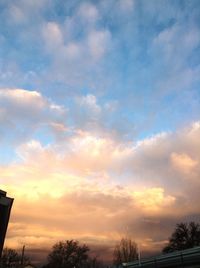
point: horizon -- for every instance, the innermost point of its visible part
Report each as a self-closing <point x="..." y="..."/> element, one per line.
<point x="100" y="125"/>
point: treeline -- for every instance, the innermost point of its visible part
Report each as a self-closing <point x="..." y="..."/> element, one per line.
<point x="72" y="254"/>
<point x="12" y="259"/>
<point x="64" y="254"/>
<point x="184" y="236"/>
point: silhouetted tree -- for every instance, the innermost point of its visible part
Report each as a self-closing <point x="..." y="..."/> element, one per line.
<point x="184" y="236"/>
<point x="125" y="251"/>
<point x="68" y="254"/>
<point x="95" y="263"/>
<point x="10" y="258"/>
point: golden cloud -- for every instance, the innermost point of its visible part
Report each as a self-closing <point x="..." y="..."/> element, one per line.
<point x="76" y="189"/>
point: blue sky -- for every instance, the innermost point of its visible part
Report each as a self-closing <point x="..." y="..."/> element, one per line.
<point x="142" y="55"/>
<point x="100" y="92"/>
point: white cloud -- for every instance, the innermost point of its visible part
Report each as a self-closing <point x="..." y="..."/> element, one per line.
<point x="53" y="36"/>
<point x="91" y="115"/>
<point x="167" y="40"/>
<point x="99" y="42"/>
<point x="63" y="43"/>
<point x="23" y="112"/>
<point x="175" y="46"/>
<point x="22" y="97"/>
<point x="88" y="12"/>
<point x="90" y="102"/>
<point x="72" y="50"/>
<point x="30" y="149"/>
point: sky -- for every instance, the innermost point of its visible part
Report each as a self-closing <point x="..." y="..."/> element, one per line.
<point x="99" y="121"/>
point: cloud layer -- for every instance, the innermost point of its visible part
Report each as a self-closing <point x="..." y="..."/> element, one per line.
<point x="97" y="188"/>
<point x="99" y="120"/>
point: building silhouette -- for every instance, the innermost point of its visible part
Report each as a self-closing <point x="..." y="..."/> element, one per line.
<point x="5" y="208"/>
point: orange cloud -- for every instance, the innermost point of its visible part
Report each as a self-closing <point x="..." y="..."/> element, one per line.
<point x="94" y="189"/>
<point x="183" y="162"/>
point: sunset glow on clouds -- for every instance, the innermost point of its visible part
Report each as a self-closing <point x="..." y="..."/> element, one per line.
<point x="99" y="113"/>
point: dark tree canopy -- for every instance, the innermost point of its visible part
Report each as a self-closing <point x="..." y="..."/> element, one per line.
<point x="184" y="236"/>
<point x="68" y="254"/>
<point x="10" y="258"/>
<point x="125" y="251"/>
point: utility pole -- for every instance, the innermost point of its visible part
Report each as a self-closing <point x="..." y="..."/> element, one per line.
<point x="22" y="258"/>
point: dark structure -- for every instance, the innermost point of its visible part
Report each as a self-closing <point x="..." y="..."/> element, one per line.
<point x="5" y="208"/>
<point x="188" y="258"/>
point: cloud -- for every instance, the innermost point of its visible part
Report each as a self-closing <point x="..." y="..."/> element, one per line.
<point x="91" y="114"/>
<point x="53" y="36"/>
<point x="179" y="75"/>
<point x="98" y="42"/>
<point x="89" y="12"/>
<point x="153" y="199"/>
<point x="56" y="46"/>
<point x="62" y="43"/>
<point x="90" y="102"/>
<point x="16" y="14"/>
<point x="183" y="162"/>
<point x="168" y="38"/>
<point x="95" y="188"/>
<point x="23" y="112"/>
<point x="95" y="174"/>
<point x="122" y="69"/>
<point x="75" y="46"/>
<point x="126" y="5"/>
<point x="19" y="12"/>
